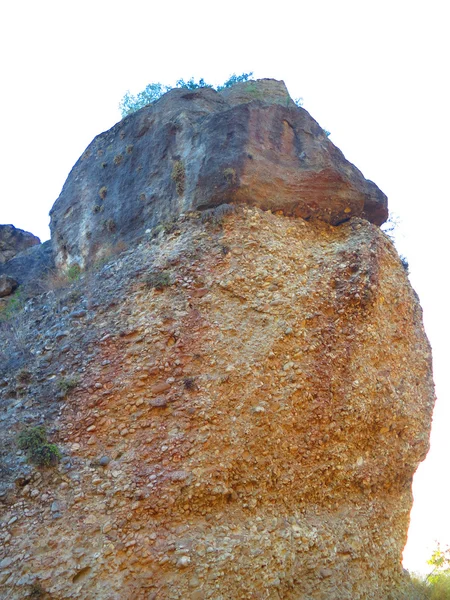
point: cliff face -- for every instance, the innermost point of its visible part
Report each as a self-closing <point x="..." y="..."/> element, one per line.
<point x="241" y="400"/>
<point x="262" y="417"/>
<point x="198" y="149"/>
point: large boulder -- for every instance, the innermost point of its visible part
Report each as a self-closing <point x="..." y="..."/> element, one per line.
<point x="7" y="285"/>
<point x="196" y="149"/>
<point x="13" y="241"/>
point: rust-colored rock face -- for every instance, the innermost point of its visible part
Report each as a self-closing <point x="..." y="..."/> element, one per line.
<point x="249" y="144"/>
<point x="246" y="426"/>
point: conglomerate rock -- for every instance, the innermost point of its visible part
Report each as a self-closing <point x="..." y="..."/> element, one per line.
<point x="197" y="149"/>
<point x="249" y="402"/>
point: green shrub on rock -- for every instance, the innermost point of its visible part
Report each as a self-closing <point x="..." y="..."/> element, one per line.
<point x="33" y="441"/>
<point x="153" y="92"/>
<point x="67" y="384"/>
<point x="158" y="280"/>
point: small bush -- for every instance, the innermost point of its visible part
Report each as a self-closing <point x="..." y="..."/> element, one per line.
<point x="235" y="79"/>
<point x="179" y="175"/>
<point x="435" y="587"/>
<point x="191" y="84"/>
<point x="67" y="384"/>
<point x="73" y="272"/>
<point x="33" y="441"/>
<point x="118" y="159"/>
<point x="103" y="190"/>
<point x="158" y="280"/>
<point x="153" y="92"/>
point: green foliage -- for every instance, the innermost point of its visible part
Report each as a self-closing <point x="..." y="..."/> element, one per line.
<point x="13" y="305"/>
<point x="33" y="441"/>
<point x="131" y="103"/>
<point x="73" y="272"/>
<point x="191" y="84"/>
<point x="67" y="384"/>
<point x="235" y="79"/>
<point x="440" y="561"/>
<point x="436" y="586"/>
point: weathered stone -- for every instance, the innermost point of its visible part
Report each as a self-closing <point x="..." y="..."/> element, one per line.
<point x="160" y="387"/>
<point x="199" y="149"/>
<point x="284" y="472"/>
<point x="7" y="285"/>
<point x="31" y="267"/>
<point x="13" y="241"/>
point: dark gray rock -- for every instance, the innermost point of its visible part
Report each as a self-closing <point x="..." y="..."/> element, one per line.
<point x="31" y="267"/>
<point x="197" y="149"/>
<point x="13" y="241"/>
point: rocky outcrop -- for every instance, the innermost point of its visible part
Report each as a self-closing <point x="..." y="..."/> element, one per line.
<point x="251" y="400"/>
<point x="13" y="241"/>
<point x="7" y="285"/>
<point x="30" y="267"/>
<point x="197" y="149"/>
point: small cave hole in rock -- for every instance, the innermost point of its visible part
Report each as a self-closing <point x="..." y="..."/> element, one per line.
<point x="81" y="574"/>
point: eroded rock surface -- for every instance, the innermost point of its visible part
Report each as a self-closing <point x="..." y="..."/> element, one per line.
<point x="13" y="241"/>
<point x="196" y="149"/>
<point x="7" y="285"/>
<point x="31" y="267"/>
<point x="253" y="399"/>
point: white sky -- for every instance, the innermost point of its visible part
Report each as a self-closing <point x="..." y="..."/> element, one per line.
<point x="374" y="73"/>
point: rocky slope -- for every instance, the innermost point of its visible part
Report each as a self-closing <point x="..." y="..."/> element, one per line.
<point x="248" y="430"/>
